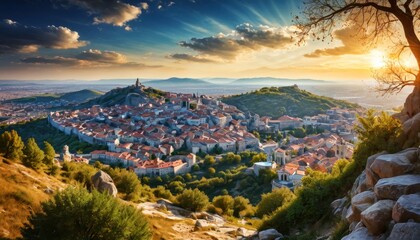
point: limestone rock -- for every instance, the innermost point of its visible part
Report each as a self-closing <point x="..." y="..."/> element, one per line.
<point x="359" y="185"/>
<point x="406" y="231"/>
<point x="395" y="187"/>
<point x="407" y="207"/>
<point x="269" y="234"/>
<point x="361" y="202"/>
<point x="372" y="158"/>
<point x="412" y="129"/>
<point x="377" y="217"/>
<point x="358" y="234"/>
<point x="338" y="206"/>
<point x="391" y="165"/>
<point x="103" y="183"/>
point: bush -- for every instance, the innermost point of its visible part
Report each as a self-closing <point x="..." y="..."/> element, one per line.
<point x="33" y="155"/>
<point x="273" y="200"/>
<point x="77" y="214"/>
<point x="225" y="203"/>
<point x="161" y="192"/>
<point x="193" y="200"/>
<point x="242" y="207"/>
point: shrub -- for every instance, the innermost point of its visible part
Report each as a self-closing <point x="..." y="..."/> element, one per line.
<point x="193" y="200"/>
<point x="77" y="214"/>
<point x="242" y="207"/>
<point x="273" y="200"/>
<point x="225" y="203"/>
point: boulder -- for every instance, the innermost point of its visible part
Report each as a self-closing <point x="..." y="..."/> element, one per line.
<point x="372" y="158"/>
<point x="351" y="217"/>
<point x="406" y="231"/>
<point x="358" y="234"/>
<point x="377" y="217"/>
<point x="361" y="202"/>
<point x="103" y="183"/>
<point x="395" y="187"/>
<point x="269" y="234"/>
<point x="371" y="178"/>
<point x="391" y="165"/>
<point x="359" y="184"/>
<point x="201" y="224"/>
<point x="407" y="207"/>
<point x="338" y="206"/>
<point x="412" y="129"/>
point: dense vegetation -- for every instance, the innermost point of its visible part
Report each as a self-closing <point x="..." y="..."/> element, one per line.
<point x="78" y="96"/>
<point x="42" y="131"/>
<point x="76" y="214"/>
<point x="278" y="101"/>
<point x="320" y="189"/>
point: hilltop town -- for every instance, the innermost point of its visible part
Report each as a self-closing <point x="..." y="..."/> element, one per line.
<point x="159" y="136"/>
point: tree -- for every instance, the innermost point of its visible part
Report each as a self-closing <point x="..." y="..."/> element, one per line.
<point x="11" y="145"/>
<point x="76" y="214"/>
<point x="209" y="160"/>
<point x="193" y="200"/>
<point x="273" y="200"/>
<point x="33" y="155"/>
<point x="242" y="207"/>
<point x="49" y="153"/>
<point x="211" y="171"/>
<point x="225" y="203"/>
<point x="380" y="19"/>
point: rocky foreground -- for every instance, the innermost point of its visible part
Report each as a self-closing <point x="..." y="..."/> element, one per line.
<point x="385" y="198"/>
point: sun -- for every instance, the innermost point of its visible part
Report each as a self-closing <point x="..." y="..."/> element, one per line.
<point x="377" y="58"/>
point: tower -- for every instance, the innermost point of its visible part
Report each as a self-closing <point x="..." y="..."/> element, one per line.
<point x="138" y="83"/>
<point x="65" y="154"/>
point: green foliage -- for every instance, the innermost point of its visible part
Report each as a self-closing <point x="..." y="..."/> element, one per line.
<point x="340" y="230"/>
<point x="377" y="133"/>
<point x="273" y="200"/>
<point x="33" y="155"/>
<point x="260" y="157"/>
<point x="195" y="168"/>
<point x="176" y="186"/>
<point x="224" y="203"/>
<point x="279" y="101"/>
<point x="211" y="171"/>
<point x="193" y="200"/>
<point x="42" y="131"/>
<point x="242" y="207"/>
<point x="161" y="192"/>
<point x="299" y="132"/>
<point x="209" y="160"/>
<point x="49" y="153"/>
<point x="231" y="158"/>
<point x="11" y="145"/>
<point x="80" y="173"/>
<point x="265" y="175"/>
<point x="76" y="214"/>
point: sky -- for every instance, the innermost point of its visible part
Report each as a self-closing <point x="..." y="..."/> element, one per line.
<point x="105" y="39"/>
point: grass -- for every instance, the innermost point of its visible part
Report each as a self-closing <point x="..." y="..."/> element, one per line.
<point x="22" y="191"/>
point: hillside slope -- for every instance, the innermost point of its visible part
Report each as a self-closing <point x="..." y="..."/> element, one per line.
<point x="118" y="96"/>
<point x="78" y="96"/>
<point x="22" y="190"/>
<point x="278" y="101"/>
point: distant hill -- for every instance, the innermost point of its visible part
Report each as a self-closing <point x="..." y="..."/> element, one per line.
<point x="177" y="82"/>
<point x="78" y="96"/>
<point x="278" y="101"/>
<point x="119" y="95"/>
<point x="275" y="81"/>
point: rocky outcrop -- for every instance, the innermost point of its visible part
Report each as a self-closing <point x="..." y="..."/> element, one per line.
<point x="360" y="233"/>
<point x="406" y="231"/>
<point x="395" y="187"/>
<point x="103" y="183"/>
<point x="269" y="234"/>
<point x="338" y="206"/>
<point x="377" y="217"/>
<point x="391" y="165"/>
<point x="385" y="198"/>
<point x="361" y="202"/>
<point x="406" y="208"/>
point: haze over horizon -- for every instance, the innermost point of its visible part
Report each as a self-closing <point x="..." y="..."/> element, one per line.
<point x="162" y="39"/>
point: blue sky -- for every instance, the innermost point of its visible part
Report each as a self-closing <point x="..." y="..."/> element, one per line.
<point x="93" y="39"/>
